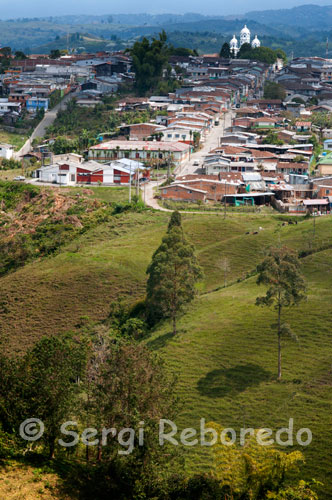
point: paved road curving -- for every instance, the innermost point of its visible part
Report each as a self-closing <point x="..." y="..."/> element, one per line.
<point x="48" y="120"/>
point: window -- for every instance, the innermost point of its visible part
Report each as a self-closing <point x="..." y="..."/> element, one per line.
<point x="177" y="135"/>
<point x="327" y="191"/>
<point x="72" y="177"/>
<point x="169" y="135"/>
<point x="164" y="191"/>
<point x="184" y="137"/>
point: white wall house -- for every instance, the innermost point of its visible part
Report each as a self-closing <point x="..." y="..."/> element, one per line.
<point x="180" y="134"/>
<point x="64" y="174"/>
<point x="6" y="106"/>
<point x="6" y="151"/>
<point x="143" y="151"/>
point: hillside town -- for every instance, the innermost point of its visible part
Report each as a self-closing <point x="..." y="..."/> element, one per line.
<point x="165" y="249"/>
<point x="219" y="139"/>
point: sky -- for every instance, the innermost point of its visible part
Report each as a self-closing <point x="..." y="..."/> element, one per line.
<point x="41" y="8"/>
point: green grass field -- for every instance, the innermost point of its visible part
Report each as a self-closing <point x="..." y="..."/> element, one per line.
<point x="16" y="140"/>
<point x="225" y="354"/>
<point x="108" y="194"/>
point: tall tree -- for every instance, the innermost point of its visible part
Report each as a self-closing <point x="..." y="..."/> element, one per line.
<point x="280" y="272"/>
<point x="48" y="383"/>
<point x="149" y="61"/>
<point x="225" y="51"/>
<point x="173" y="273"/>
<point x="321" y="121"/>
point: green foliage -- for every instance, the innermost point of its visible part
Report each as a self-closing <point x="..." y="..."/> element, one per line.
<point x="77" y="128"/>
<point x="173" y="273"/>
<point x="298" y="100"/>
<point x="321" y="120"/>
<point x="252" y="471"/>
<point x="182" y="51"/>
<point x="272" y="138"/>
<point x="10" y="164"/>
<point x="55" y="54"/>
<point x="42" y="384"/>
<point x="20" y="55"/>
<point x="303" y="491"/>
<point x="262" y="54"/>
<point x="150" y="59"/>
<point x="274" y="90"/>
<point x="55" y="98"/>
<point x="11" y="193"/>
<point x="225" y="51"/>
<point x="281" y="54"/>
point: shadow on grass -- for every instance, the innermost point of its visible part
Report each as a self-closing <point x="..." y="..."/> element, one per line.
<point x="160" y="341"/>
<point x="231" y="381"/>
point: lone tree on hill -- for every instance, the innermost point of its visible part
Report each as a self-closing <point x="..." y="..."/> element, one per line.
<point x="225" y="51"/>
<point x="173" y="273"/>
<point x="280" y="272"/>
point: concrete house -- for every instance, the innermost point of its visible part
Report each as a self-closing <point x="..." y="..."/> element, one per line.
<point x="144" y="151"/>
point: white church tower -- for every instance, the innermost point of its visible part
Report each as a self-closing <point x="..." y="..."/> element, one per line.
<point x="234" y="46"/>
<point x="244" y="38"/>
<point x="255" y="43"/>
<point x="244" y="35"/>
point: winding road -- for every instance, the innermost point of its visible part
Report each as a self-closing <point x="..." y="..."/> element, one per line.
<point x="47" y="121"/>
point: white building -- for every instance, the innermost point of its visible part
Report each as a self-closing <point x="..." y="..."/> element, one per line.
<point x="6" y="151"/>
<point x="245" y="37"/>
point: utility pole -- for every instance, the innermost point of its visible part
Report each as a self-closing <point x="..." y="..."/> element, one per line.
<point x="130" y="184"/>
<point x="137" y="183"/>
<point x="168" y="168"/>
<point x="225" y="199"/>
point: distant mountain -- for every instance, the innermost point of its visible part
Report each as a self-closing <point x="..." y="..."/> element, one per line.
<point x="300" y="30"/>
<point x="127" y="19"/>
<point x="312" y="17"/>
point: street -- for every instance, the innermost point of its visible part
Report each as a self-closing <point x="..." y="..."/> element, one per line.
<point x="211" y="142"/>
<point x="48" y="120"/>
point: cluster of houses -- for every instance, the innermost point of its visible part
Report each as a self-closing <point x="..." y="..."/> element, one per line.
<point x="183" y="119"/>
<point x="29" y="83"/>
<point x="264" y="157"/>
<point x="71" y="169"/>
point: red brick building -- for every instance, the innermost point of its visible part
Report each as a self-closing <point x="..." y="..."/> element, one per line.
<point x="181" y="192"/>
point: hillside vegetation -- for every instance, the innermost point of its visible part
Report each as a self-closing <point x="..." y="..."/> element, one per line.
<point x="225" y="353"/>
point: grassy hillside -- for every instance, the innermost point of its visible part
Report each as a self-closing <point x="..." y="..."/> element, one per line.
<point x="226" y="358"/>
<point x="225" y="354"/>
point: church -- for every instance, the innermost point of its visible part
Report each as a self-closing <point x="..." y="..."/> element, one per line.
<point x="245" y="36"/>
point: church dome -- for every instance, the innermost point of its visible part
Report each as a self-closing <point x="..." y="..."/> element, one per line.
<point x="244" y="36"/>
<point x="245" y="30"/>
<point x="255" y="43"/>
<point x="233" y="42"/>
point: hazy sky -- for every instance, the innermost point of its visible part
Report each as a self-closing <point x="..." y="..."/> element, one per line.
<point x="39" y="8"/>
